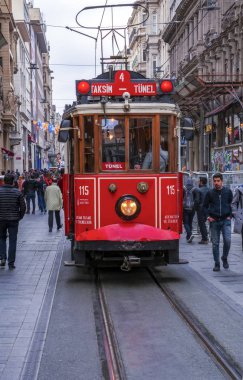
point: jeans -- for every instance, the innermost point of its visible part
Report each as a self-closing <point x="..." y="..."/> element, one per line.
<point x="187" y="221"/>
<point x="12" y="228"/>
<point x="32" y="198"/>
<point x="57" y="217"/>
<point x="216" y="227"/>
<point x="41" y="202"/>
<point x="201" y="217"/>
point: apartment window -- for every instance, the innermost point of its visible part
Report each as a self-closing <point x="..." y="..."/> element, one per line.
<point x="154" y="23"/>
<point x="144" y="16"/>
<point x="154" y="65"/>
<point x="144" y="55"/>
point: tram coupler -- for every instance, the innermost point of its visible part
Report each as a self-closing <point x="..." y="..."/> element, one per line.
<point x="129" y="262"/>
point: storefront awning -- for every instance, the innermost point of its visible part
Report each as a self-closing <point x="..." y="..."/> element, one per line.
<point x="8" y="152"/>
<point x="31" y="138"/>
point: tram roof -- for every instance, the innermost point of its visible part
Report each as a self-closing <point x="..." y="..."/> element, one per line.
<point x="118" y="108"/>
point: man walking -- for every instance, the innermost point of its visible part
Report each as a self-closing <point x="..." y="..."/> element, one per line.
<point x="12" y="210"/>
<point x="30" y="188"/>
<point x="53" y="198"/>
<point x="217" y="204"/>
<point x="201" y="215"/>
<point x="190" y="202"/>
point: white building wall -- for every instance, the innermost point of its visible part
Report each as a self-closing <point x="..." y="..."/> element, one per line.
<point x="22" y="85"/>
<point x="148" y="52"/>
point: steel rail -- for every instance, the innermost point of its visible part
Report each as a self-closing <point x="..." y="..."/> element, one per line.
<point x="222" y="359"/>
<point x="114" y="363"/>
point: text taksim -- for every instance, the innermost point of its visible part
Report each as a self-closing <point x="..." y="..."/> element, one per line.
<point x="102" y="89"/>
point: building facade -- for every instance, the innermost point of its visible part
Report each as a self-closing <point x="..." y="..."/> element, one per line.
<point x="26" y="116"/>
<point x="9" y="101"/>
<point x="204" y="41"/>
<point x="206" y="57"/>
<point x="147" y="51"/>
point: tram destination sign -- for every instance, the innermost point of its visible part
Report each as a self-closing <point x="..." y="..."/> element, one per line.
<point x="121" y="84"/>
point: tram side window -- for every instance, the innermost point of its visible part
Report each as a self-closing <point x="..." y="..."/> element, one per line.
<point x="113" y="144"/>
<point x="140" y="142"/>
<point x="164" y="127"/>
<point x="88" y="144"/>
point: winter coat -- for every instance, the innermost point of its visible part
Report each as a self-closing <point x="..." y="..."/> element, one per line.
<point x="237" y="209"/>
<point x="30" y="187"/>
<point x="53" y="197"/>
<point x="202" y="194"/>
<point x="12" y="204"/>
<point x="217" y="203"/>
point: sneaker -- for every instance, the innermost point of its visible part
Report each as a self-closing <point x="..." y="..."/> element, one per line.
<point x="216" y="268"/>
<point x="50" y="229"/>
<point x="2" y="263"/>
<point x="203" y="242"/>
<point x="33" y="212"/>
<point x="190" y="239"/>
<point x="11" y="266"/>
<point x="59" y="227"/>
<point x="225" y="263"/>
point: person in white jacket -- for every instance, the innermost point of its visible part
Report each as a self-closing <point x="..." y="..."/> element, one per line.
<point x="54" y="202"/>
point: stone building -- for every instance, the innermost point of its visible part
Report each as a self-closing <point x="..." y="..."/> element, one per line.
<point x="206" y="56"/>
<point x="22" y="87"/>
<point x="204" y="40"/>
<point x="25" y="87"/>
<point x="147" y="51"/>
<point x="9" y="101"/>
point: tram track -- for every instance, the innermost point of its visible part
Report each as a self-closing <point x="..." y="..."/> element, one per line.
<point x="224" y="361"/>
<point x="112" y="365"/>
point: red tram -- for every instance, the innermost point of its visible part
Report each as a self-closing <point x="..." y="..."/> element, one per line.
<point x="122" y="191"/>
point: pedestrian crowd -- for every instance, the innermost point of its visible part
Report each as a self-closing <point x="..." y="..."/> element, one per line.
<point x="18" y="195"/>
<point x="217" y="206"/>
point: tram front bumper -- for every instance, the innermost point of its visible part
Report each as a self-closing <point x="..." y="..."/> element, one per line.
<point x="114" y="242"/>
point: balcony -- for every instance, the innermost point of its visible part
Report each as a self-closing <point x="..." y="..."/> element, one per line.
<point x="39" y="28"/>
<point x="15" y="138"/>
<point x="20" y="13"/>
<point x="132" y="37"/>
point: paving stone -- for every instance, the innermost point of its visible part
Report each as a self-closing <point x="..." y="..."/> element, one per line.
<point x="22" y="293"/>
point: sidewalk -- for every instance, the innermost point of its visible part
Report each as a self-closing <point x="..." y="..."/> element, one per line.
<point x="228" y="281"/>
<point x="29" y="289"/>
<point x="23" y="291"/>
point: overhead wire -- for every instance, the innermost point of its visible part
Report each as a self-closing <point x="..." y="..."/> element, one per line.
<point x="98" y="32"/>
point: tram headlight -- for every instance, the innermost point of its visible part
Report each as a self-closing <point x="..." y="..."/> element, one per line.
<point x="128" y="207"/>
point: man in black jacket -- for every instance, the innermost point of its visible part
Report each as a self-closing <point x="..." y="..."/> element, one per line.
<point x="217" y="204"/>
<point x="30" y="188"/>
<point x="12" y="209"/>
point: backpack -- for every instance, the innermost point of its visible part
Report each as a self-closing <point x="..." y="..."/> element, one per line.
<point x="188" y="200"/>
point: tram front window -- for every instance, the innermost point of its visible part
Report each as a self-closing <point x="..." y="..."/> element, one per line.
<point x="113" y="144"/>
<point x="140" y="141"/>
